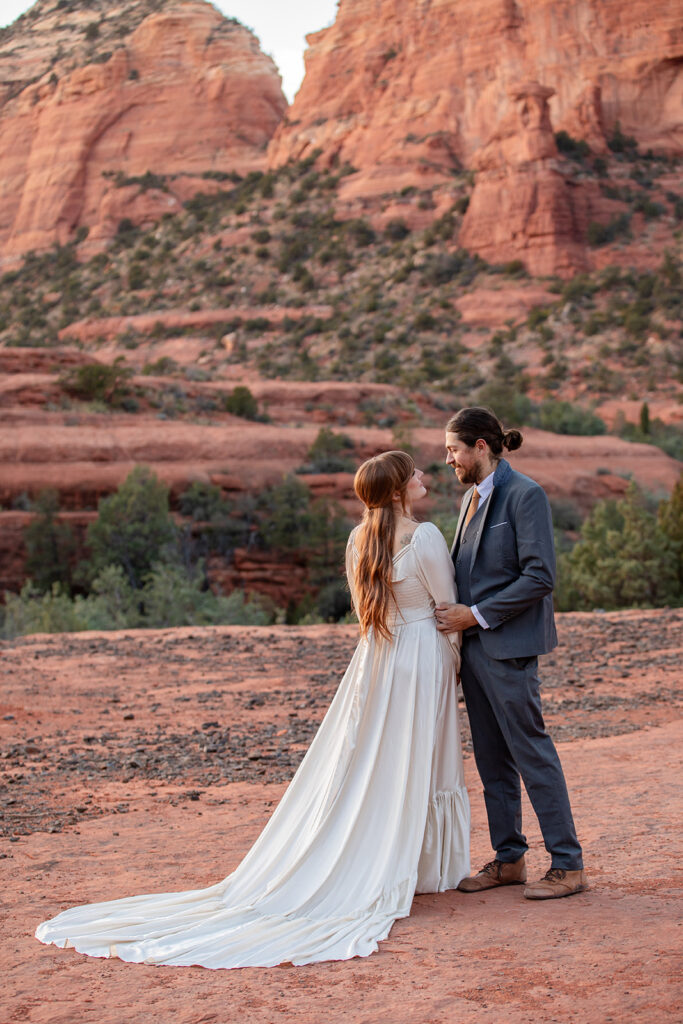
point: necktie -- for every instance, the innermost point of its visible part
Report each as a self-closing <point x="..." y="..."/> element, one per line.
<point x="472" y="508"/>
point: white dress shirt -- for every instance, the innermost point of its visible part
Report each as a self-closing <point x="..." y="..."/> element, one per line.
<point x="484" y="488"/>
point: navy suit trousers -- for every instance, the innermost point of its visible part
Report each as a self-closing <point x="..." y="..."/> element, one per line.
<point x="510" y="740"/>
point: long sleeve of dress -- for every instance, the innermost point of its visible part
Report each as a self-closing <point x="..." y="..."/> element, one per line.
<point x="436" y="572"/>
<point x="351" y="569"/>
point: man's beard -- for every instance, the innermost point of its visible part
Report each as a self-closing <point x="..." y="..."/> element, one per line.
<point x="469" y="476"/>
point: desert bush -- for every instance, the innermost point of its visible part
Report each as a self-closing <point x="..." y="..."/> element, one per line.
<point x="648" y="207"/>
<point x="577" y="149"/>
<point x="667" y="436"/>
<point x="506" y="399"/>
<point x="170" y="597"/>
<point x="241" y="402"/>
<point x="326" y="454"/>
<point x="622" y="144"/>
<point x="566" y="515"/>
<point x="98" y="382"/>
<point x="162" y="366"/>
<point x="602" y="234"/>
<point x="396" y="230"/>
<point x="670" y="522"/>
<point x="285" y="522"/>
<point x="566" y="418"/>
<point x="32" y="611"/>
<point x="537" y="316"/>
<point x="359" y="232"/>
<point x="134" y="528"/>
<point x="442" y="267"/>
<point x="50" y="545"/>
<point x="624" y="559"/>
<point x="201" y="501"/>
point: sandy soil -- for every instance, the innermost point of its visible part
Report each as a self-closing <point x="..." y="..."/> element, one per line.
<point x="113" y="746"/>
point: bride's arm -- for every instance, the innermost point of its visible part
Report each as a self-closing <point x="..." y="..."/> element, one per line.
<point x="436" y="572"/>
<point x="351" y="570"/>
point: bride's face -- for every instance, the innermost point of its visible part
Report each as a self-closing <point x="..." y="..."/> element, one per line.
<point x="415" y="489"/>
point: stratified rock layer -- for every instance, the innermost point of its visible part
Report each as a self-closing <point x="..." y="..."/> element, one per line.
<point x="403" y="89"/>
<point x="179" y="92"/>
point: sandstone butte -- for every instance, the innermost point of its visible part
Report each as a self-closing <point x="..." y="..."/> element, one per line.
<point x="180" y="93"/>
<point x="411" y="93"/>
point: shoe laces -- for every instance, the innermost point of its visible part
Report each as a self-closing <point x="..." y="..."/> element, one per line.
<point x="554" y="875"/>
<point x="492" y="868"/>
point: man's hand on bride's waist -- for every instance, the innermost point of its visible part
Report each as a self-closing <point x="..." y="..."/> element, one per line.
<point x="450" y="618"/>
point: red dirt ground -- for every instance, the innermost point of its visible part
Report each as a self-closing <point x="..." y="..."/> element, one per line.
<point x="113" y="746"/>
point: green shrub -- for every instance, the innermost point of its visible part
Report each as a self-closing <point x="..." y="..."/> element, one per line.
<point x="360" y="232"/>
<point x="134" y="528"/>
<point x="578" y="288"/>
<point x="201" y="501"/>
<point x="326" y="454"/>
<point x="670" y="522"/>
<point x="241" y="402"/>
<point x="648" y="207"/>
<point x="170" y="597"/>
<point x="164" y="365"/>
<point x="622" y="144"/>
<point x="514" y="268"/>
<point x="50" y="545"/>
<point x="603" y="234"/>
<point x="98" y="382"/>
<point x="424" y="321"/>
<point x="506" y="399"/>
<point x="173" y="597"/>
<point x="565" y="418"/>
<point x="577" y="149"/>
<point x="32" y="611"/>
<point x="566" y="515"/>
<point x="537" y="316"/>
<point x="396" y="230"/>
<point x="624" y="559"/>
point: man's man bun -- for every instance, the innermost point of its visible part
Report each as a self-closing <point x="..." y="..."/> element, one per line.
<point x="512" y="440"/>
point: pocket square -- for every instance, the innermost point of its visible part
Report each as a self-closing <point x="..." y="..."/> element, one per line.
<point x="494" y="525"/>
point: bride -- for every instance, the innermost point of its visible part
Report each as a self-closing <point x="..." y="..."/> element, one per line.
<point x="377" y="809"/>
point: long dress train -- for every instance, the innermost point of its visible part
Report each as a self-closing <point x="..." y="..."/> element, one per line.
<point x="376" y="811"/>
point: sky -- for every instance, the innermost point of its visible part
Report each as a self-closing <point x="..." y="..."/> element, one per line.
<point x="281" y="26"/>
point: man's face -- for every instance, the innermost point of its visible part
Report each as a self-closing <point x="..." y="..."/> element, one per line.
<point x="466" y="462"/>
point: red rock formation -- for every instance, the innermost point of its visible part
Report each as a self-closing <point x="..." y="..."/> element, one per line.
<point x="523" y="206"/>
<point x="407" y="92"/>
<point x="186" y="92"/>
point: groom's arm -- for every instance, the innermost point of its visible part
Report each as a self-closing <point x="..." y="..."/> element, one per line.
<point x="536" y="555"/>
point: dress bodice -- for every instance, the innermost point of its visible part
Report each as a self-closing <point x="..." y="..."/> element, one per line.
<point x="422" y="574"/>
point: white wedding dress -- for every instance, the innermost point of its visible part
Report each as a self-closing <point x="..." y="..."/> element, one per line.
<point x="376" y="811"/>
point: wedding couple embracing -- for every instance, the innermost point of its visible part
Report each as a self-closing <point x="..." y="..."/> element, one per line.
<point x="378" y="809"/>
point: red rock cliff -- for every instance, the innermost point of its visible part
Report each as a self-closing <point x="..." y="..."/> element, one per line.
<point x="98" y="88"/>
<point x="401" y="88"/>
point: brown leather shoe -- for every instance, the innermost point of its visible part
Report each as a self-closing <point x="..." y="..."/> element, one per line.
<point x="495" y="873"/>
<point x="555" y="883"/>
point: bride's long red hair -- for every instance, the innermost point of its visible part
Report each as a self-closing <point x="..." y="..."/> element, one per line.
<point x="376" y="483"/>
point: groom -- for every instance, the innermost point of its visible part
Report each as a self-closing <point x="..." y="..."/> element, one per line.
<point x="505" y="571"/>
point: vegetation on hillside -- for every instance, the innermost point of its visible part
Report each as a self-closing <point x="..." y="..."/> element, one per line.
<point x="389" y="296"/>
<point x="144" y="568"/>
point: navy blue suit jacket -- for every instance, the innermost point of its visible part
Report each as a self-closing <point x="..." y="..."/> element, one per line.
<point x="512" y="566"/>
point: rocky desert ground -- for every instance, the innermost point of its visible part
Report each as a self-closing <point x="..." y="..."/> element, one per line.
<point x="150" y="760"/>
